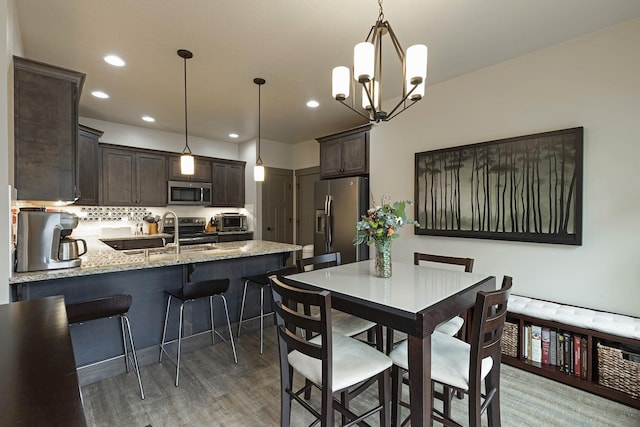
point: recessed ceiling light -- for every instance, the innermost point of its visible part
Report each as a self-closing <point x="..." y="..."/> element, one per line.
<point x="114" y="60"/>
<point x="313" y="104"/>
<point x="148" y="119"/>
<point x="99" y="94"/>
<point x="233" y="135"/>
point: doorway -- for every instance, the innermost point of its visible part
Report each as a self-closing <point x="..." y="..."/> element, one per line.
<point x="277" y="205"/>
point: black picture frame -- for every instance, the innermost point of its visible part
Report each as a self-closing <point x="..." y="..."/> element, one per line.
<point x="527" y="188"/>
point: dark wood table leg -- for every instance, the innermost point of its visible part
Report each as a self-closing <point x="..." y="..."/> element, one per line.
<point x="420" y="380"/>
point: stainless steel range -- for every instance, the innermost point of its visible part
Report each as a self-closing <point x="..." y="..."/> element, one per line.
<point x="191" y="230"/>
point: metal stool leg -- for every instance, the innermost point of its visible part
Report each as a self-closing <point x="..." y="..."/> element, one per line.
<point x="124" y="345"/>
<point x="233" y="346"/>
<point x="164" y="330"/>
<point x="213" y="328"/>
<point x="261" y="315"/>
<point x="136" y="367"/>
<point x="179" y="342"/>
<point x="244" y="296"/>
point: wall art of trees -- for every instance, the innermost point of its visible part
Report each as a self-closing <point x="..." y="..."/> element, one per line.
<point x="526" y="188"/>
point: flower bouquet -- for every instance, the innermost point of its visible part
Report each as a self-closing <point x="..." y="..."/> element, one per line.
<point x="379" y="226"/>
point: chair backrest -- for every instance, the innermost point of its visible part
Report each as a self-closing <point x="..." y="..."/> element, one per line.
<point x="319" y="261"/>
<point x="489" y="315"/>
<point x="288" y="300"/>
<point x="284" y="271"/>
<point x="467" y="263"/>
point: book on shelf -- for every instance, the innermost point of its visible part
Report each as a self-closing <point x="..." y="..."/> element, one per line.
<point x="526" y="334"/>
<point x="545" y="345"/>
<point x="553" y="345"/>
<point x="560" y="350"/>
<point x="584" y="358"/>
<point x="577" y="356"/>
<point x="536" y="344"/>
<point x="568" y="353"/>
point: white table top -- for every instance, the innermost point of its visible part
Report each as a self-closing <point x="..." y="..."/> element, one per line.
<point x="411" y="288"/>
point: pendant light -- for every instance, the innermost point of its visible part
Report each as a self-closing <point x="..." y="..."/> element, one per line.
<point x="367" y="71"/>
<point x="258" y="169"/>
<point x="186" y="160"/>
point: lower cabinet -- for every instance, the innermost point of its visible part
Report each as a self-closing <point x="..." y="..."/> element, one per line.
<point x="235" y="237"/>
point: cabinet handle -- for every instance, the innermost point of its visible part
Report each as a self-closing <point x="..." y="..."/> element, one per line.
<point x="269" y="229"/>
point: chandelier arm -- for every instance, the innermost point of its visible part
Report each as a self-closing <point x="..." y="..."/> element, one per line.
<point x="355" y="110"/>
<point x="396" y="42"/>
<point x="389" y="117"/>
<point x="402" y="101"/>
<point x="370" y="97"/>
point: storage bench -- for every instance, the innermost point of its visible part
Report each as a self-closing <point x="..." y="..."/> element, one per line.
<point x="600" y="350"/>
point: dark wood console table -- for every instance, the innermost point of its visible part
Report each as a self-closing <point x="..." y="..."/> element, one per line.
<point x="39" y="382"/>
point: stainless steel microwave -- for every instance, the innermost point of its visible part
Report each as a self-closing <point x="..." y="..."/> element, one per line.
<point x="189" y="193"/>
<point x="231" y="222"/>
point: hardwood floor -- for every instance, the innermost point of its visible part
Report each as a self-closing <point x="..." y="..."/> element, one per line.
<point x="215" y="392"/>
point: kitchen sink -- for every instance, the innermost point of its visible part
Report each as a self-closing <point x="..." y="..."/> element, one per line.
<point x="171" y="250"/>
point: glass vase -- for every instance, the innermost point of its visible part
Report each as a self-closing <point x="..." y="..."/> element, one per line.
<point x="383" y="258"/>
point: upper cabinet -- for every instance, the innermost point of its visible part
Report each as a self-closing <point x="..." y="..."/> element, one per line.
<point x="88" y="165"/>
<point x="46" y="130"/>
<point x="132" y="177"/>
<point x="228" y="183"/>
<point x="345" y="153"/>
<point x="202" y="172"/>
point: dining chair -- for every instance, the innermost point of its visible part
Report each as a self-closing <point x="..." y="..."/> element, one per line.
<point x="452" y="326"/>
<point x="343" y="323"/>
<point x="262" y="281"/>
<point x="460" y="366"/>
<point x="331" y="362"/>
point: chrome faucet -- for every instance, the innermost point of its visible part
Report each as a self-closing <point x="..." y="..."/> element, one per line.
<point x="176" y="234"/>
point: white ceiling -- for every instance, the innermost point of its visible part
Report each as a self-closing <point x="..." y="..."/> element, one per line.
<point x="293" y="44"/>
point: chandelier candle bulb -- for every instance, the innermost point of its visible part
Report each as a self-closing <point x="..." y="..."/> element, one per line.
<point x="340" y="83"/>
<point x="416" y="61"/>
<point x="258" y="173"/>
<point x="363" y="62"/>
<point x="375" y="94"/>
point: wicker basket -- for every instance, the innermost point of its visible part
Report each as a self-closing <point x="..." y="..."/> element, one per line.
<point x="509" y="342"/>
<point x="619" y="369"/>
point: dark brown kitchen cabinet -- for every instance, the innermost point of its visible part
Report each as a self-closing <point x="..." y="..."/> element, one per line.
<point x="46" y="130"/>
<point x="228" y="183"/>
<point x="202" y="170"/>
<point x="345" y="153"/>
<point x="88" y="177"/>
<point x="133" y="177"/>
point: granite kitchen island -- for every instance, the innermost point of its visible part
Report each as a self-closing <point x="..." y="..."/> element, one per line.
<point x="145" y="275"/>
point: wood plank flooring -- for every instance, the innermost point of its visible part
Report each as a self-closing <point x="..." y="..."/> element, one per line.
<point x="215" y="392"/>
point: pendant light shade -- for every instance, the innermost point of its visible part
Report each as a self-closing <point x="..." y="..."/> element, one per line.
<point x="258" y="169"/>
<point x="186" y="160"/>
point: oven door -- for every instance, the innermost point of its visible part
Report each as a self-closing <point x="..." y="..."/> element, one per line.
<point x="189" y="193"/>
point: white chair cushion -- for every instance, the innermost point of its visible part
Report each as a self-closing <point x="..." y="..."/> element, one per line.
<point x="615" y="324"/>
<point x="449" y="360"/>
<point x="353" y="362"/>
<point x="451" y="326"/>
<point x="348" y="325"/>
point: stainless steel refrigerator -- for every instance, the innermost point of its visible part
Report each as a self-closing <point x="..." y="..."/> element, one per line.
<point x="339" y="203"/>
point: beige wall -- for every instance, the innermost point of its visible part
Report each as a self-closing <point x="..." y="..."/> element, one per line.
<point x="591" y="81"/>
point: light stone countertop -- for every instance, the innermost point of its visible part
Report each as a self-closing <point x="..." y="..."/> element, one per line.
<point x="102" y="259"/>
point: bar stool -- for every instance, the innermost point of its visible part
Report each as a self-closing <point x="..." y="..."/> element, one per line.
<point x="192" y="292"/>
<point x="107" y="307"/>
<point x="261" y="280"/>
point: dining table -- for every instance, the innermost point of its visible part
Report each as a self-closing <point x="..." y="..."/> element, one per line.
<point x="414" y="300"/>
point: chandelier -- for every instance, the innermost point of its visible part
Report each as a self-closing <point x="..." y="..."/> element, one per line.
<point x="367" y="71"/>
